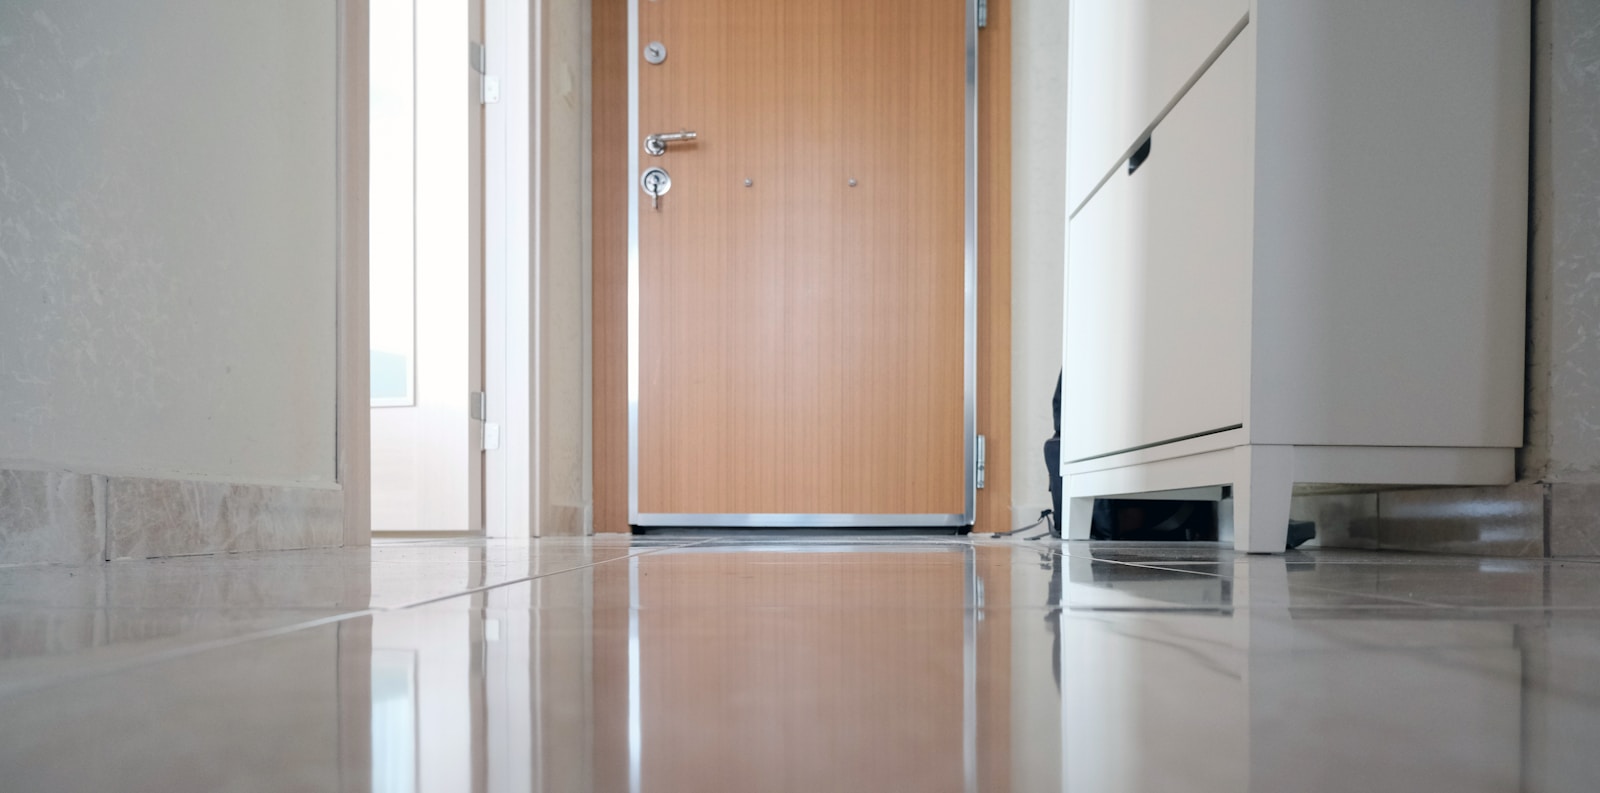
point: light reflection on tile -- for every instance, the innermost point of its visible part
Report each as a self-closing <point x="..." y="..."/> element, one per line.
<point x="103" y="616"/>
<point x="944" y="666"/>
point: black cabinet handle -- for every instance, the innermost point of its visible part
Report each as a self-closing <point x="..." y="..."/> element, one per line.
<point x="1139" y="155"/>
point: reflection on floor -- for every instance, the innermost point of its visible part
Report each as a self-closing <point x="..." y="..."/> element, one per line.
<point x="800" y="664"/>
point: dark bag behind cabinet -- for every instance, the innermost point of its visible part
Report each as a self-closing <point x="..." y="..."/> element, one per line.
<point x="1129" y="519"/>
<point x="1052" y="462"/>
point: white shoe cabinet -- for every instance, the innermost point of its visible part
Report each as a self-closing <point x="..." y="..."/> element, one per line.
<point x="1296" y="245"/>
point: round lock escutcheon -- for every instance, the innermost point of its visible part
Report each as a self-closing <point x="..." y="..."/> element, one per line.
<point x="655" y="181"/>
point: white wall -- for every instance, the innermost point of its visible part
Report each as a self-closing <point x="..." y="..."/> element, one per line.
<point x="167" y="238"/>
<point x="1038" y="240"/>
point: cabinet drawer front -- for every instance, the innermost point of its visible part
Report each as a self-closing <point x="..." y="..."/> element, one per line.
<point x="1128" y="59"/>
<point x="1157" y="279"/>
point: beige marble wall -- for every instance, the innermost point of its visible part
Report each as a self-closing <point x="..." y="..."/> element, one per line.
<point x="1563" y="429"/>
<point x="561" y="267"/>
<point x="1564" y="370"/>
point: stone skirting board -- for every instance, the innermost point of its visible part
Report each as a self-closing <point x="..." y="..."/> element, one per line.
<point x="71" y="518"/>
<point x="48" y="516"/>
<point x="1534" y="519"/>
<point x="563" y="520"/>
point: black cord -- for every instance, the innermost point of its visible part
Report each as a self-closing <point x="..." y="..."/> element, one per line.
<point x="1047" y="515"/>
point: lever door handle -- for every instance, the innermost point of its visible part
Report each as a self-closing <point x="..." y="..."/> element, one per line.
<point x="656" y="145"/>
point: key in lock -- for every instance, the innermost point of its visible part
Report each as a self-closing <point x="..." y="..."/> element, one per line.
<point x="655" y="182"/>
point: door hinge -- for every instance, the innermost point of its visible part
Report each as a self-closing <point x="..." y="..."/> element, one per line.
<point x="488" y="85"/>
<point x="981" y="463"/>
<point x="488" y="431"/>
<point x="983" y="14"/>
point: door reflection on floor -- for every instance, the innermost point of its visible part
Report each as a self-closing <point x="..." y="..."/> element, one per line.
<point x="954" y="666"/>
<point x="830" y="669"/>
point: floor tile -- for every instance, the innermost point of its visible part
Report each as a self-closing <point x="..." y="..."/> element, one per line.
<point x="818" y="664"/>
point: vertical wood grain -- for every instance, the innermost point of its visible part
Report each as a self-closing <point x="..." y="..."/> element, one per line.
<point x="994" y="265"/>
<point x="609" y="309"/>
<point x="800" y="338"/>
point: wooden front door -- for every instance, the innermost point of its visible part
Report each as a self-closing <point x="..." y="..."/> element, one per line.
<point x="802" y="345"/>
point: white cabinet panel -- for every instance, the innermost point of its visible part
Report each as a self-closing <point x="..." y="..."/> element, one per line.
<point x="1129" y="58"/>
<point x="1326" y="248"/>
<point x="1391" y="246"/>
<point x="1157" y="275"/>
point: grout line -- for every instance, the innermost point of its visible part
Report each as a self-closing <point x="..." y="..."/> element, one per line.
<point x="1546" y="490"/>
<point x="1394" y="598"/>
<point x="272" y="633"/>
<point x="525" y="579"/>
<point x="98" y="485"/>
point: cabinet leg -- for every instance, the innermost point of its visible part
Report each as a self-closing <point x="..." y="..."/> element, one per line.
<point x="1079" y="517"/>
<point x="1262" y="487"/>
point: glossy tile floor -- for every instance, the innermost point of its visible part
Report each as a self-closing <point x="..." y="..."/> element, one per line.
<point x="801" y="664"/>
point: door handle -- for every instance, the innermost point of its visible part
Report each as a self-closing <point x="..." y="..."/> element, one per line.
<point x="656" y="145"/>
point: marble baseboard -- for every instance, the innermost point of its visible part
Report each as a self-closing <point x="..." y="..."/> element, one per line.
<point x="562" y="520"/>
<point x="148" y="518"/>
<point x="1344" y="520"/>
<point x="1507" y="520"/>
<point x="1574" y="519"/>
<point x="49" y="517"/>
<point x="1534" y="519"/>
<point x="55" y="517"/>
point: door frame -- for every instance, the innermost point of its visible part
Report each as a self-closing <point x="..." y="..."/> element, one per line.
<point x="508" y="388"/>
<point x="970" y="330"/>
<point x="509" y="341"/>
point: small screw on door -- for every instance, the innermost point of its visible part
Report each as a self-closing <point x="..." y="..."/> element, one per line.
<point x="852" y="183"/>
<point x="748" y="183"/>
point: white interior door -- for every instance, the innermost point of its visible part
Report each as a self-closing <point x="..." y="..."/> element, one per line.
<point x="427" y="256"/>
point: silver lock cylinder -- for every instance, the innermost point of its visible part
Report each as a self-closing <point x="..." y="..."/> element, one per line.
<point x="655" y="182"/>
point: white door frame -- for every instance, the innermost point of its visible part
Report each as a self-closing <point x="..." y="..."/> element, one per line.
<point x="510" y="335"/>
